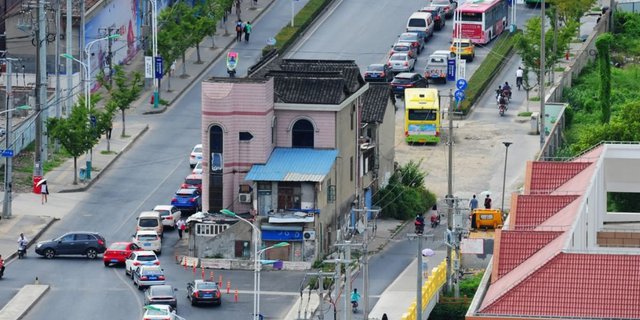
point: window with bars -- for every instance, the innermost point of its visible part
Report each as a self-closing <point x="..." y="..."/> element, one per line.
<point x="210" y="229"/>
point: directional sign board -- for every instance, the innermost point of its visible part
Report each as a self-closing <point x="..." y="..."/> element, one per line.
<point x="459" y="95"/>
<point x="159" y="67"/>
<point x="461" y="84"/>
<point x="8" y="153"/>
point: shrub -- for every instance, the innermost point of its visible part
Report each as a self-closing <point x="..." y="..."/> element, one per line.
<point x="488" y="69"/>
<point x="405" y="196"/>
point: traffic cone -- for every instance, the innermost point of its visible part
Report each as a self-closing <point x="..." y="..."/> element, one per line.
<point x="228" y="286"/>
<point x="211" y="276"/>
<point x="235" y="296"/>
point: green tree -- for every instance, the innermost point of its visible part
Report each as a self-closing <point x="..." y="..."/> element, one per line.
<point x="603" y="44"/>
<point x="75" y="133"/>
<point x="126" y="90"/>
<point x="405" y="195"/>
<point x="213" y="12"/>
<point x="571" y="10"/>
<point x="172" y="42"/>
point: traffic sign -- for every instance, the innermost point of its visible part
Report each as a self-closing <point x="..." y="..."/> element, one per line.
<point x="93" y="120"/>
<point x="461" y="84"/>
<point x="8" y="153"/>
<point x="459" y="95"/>
<point x="159" y="67"/>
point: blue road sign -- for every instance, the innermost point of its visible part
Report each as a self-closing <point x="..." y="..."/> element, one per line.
<point x="93" y="120"/>
<point x="461" y="84"/>
<point x="459" y="95"/>
<point x="8" y="153"/>
<point x="451" y="70"/>
<point x="159" y="67"/>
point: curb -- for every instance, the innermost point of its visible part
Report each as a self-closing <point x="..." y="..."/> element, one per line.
<point x="35" y="238"/>
<point x="205" y="67"/>
<point x="108" y="165"/>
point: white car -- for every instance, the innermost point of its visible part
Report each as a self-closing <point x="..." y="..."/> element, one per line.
<point x="196" y="155"/>
<point x="197" y="169"/>
<point x="148" y="240"/>
<point x="145" y="276"/>
<point x="401" y="62"/>
<point x="169" y="215"/>
<point x="140" y="258"/>
<point x="159" y="312"/>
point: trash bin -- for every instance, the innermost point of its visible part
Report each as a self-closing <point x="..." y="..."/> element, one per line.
<point x="535" y="123"/>
<point x="83" y="174"/>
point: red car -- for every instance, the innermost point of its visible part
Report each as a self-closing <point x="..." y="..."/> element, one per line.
<point x="118" y="252"/>
<point x="192" y="181"/>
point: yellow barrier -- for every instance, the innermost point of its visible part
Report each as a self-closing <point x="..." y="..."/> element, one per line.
<point x="434" y="282"/>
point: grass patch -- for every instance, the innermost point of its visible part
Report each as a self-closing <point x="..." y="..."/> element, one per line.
<point x="107" y="152"/>
<point x="488" y="69"/>
<point x="163" y="102"/>
<point x="534" y="98"/>
<point x="559" y="69"/>
<point x="525" y="114"/>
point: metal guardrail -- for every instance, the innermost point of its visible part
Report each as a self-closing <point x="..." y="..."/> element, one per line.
<point x="434" y="282"/>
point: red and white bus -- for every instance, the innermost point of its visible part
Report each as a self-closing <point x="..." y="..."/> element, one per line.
<point x="482" y="20"/>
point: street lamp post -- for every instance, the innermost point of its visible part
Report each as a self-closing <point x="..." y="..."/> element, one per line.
<point x="256" y="238"/>
<point x="504" y="176"/>
<point x="277" y="245"/>
<point x="154" y="49"/>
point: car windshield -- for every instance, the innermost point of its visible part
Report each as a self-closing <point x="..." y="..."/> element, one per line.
<point x="147" y="237"/>
<point x="193" y="181"/>
<point x="207" y="286"/>
<point x="163" y="213"/>
<point x="398" y="57"/>
<point x="161" y="291"/>
<point x="148" y="223"/>
<point x="118" y="246"/>
<point x="408" y="37"/>
<point x="462" y="44"/>
<point x="401" y="48"/>
<point x="401" y="80"/>
<point x="146" y="258"/>
<point x="375" y="67"/>
<point x="421" y="23"/>
<point x="157" y="312"/>
<point x="440" y="2"/>
<point x="197" y="150"/>
<point x="154" y="270"/>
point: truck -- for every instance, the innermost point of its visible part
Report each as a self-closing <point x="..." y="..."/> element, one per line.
<point x="436" y="69"/>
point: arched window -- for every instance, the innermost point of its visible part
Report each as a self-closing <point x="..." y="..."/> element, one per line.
<point x="302" y="134"/>
<point x="215" y="168"/>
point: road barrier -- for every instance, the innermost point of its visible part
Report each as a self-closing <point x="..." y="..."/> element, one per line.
<point x="430" y="288"/>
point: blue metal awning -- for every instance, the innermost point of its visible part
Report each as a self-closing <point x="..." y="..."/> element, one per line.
<point x="294" y="164"/>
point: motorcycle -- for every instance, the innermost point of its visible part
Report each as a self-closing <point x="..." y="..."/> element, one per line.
<point x="507" y="94"/>
<point x="22" y="251"/>
<point x="354" y="306"/>
<point x="419" y="227"/>
<point x="435" y="220"/>
<point x="502" y="109"/>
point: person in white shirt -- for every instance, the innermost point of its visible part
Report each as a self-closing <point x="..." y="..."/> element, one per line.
<point x="519" y="74"/>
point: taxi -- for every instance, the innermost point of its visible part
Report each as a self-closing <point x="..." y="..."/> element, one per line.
<point x="466" y="51"/>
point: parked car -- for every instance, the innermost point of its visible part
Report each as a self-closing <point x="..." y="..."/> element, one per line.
<point x="192" y="181"/>
<point x="198" y="168"/>
<point x="404" y="47"/>
<point x="187" y="200"/>
<point x="196" y="155"/>
<point x="466" y="51"/>
<point x="449" y="6"/>
<point x="161" y="294"/>
<point x="118" y="252"/>
<point x="414" y="39"/>
<point x="378" y="72"/>
<point x="159" y="312"/>
<point x="401" y="62"/>
<point x="90" y="244"/>
<point x="150" y="220"/>
<point x="169" y="214"/>
<point x="148" y="240"/>
<point x="422" y="23"/>
<point x="202" y="291"/>
<point x="144" y="276"/>
<point x="407" y="80"/>
<point x="437" y="65"/>
<point x="139" y="258"/>
<point x="438" y="15"/>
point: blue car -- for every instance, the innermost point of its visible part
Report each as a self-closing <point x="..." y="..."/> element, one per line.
<point x="187" y="200"/>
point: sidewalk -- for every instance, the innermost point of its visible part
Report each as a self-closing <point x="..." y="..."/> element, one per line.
<point x="33" y="218"/>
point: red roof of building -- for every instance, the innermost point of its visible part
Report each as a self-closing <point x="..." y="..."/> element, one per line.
<point x="518" y="246"/>
<point x="532" y="210"/>
<point x="578" y="286"/>
<point x="546" y="176"/>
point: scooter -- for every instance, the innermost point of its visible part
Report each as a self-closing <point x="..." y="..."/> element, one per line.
<point x="419" y="227"/>
<point x="232" y="63"/>
<point x="435" y="220"/>
<point x="354" y="306"/>
<point x="501" y="109"/>
<point x="22" y="251"/>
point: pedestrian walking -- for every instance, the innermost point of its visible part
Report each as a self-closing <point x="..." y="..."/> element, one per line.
<point x="238" y="8"/>
<point x="44" y="191"/>
<point x="239" y="28"/>
<point x="247" y="30"/>
<point x="473" y="203"/>
<point x="487" y="202"/>
<point x="181" y="227"/>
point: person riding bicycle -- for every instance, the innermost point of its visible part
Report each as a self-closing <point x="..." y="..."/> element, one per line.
<point x="355" y="297"/>
<point x="519" y="74"/>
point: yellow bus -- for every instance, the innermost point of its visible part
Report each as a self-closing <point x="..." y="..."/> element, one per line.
<point x="421" y="115"/>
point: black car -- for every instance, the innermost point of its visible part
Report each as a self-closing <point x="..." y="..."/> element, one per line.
<point x="407" y="80"/>
<point x="448" y="6"/>
<point x="202" y="291"/>
<point x="161" y="294"/>
<point x="438" y="16"/>
<point x="378" y="72"/>
<point x="73" y="243"/>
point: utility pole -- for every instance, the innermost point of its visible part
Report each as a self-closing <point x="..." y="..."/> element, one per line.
<point x="555" y="44"/>
<point x="449" y="197"/>
<point x="109" y="52"/>
<point x="68" y="39"/>
<point x="8" y="161"/>
<point x="57" y="63"/>
<point x="542" y="63"/>
<point x="321" y="276"/>
<point x="41" y="90"/>
<point x="365" y="259"/>
<point x="419" y="273"/>
<point x="347" y="279"/>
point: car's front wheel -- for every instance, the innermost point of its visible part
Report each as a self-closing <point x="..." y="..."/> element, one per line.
<point x="91" y="253"/>
<point x="49" y="253"/>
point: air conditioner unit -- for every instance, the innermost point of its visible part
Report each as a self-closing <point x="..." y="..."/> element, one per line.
<point x="309" y="235"/>
<point x="244" y="197"/>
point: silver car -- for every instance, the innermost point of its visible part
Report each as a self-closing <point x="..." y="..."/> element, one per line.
<point x="401" y="62"/>
<point x="145" y="276"/>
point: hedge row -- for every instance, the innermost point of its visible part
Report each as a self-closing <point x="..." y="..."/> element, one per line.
<point x="488" y="69"/>
<point x="301" y="21"/>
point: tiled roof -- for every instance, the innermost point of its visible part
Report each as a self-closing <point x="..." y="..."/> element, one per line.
<point x="546" y="176"/>
<point x="532" y="210"/>
<point x="375" y="100"/>
<point x="294" y="164"/>
<point x="309" y="88"/>
<point x="348" y="68"/>
<point x="580" y="286"/>
<point x="518" y="246"/>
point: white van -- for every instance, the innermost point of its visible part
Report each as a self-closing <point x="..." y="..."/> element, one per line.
<point x="150" y="220"/>
<point x="422" y="23"/>
<point x="148" y="240"/>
